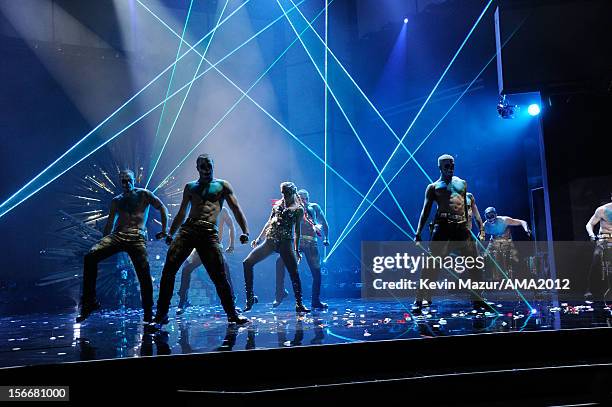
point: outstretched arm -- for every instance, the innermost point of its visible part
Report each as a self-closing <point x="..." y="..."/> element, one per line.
<point x="238" y="214"/>
<point x="155" y="202"/>
<point x="592" y="222"/>
<point x="427" y="204"/>
<point x="110" y="221"/>
<point x="518" y="222"/>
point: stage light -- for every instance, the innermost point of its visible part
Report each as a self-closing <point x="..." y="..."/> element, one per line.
<point x="534" y="311"/>
<point x="405" y="20"/>
<point x="533" y="109"/>
<point x="505" y="109"/>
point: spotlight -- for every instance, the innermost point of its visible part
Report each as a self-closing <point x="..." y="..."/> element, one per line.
<point x="405" y="20"/>
<point x="505" y="109"/>
<point x="533" y="109"/>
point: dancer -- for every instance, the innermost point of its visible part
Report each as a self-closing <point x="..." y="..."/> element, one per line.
<point x="282" y="231"/>
<point x="205" y="197"/>
<point x="125" y="231"/>
<point x="194" y="261"/>
<point x="603" y="217"/>
<point x="313" y="223"/>
<point x="450" y="227"/>
<point x="501" y="246"/>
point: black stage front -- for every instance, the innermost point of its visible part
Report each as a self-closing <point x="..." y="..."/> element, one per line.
<point x="365" y="348"/>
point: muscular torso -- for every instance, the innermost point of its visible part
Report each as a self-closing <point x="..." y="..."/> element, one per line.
<point x="605" y="220"/>
<point x="206" y="200"/>
<point x="498" y="228"/>
<point x="450" y="197"/>
<point x="132" y="211"/>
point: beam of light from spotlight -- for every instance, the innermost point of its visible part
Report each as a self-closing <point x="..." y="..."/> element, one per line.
<point x="161" y="152"/>
<point x="467" y="88"/>
<point x="416" y="117"/>
<point x="362" y="93"/>
<point x="161" y="116"/>
<point x="29" y="190"/>
<point x="312" y="152"/>
<point x="348" y="120"/>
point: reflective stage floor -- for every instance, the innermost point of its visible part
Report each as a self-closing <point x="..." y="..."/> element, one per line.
<point x="54" y="338"/>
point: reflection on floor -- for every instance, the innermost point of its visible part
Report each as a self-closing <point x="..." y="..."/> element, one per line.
<point x="45" y="338"/>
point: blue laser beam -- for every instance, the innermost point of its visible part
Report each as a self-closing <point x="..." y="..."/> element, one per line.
<point x="416" y="117"/>
<point x="312" y="152"/>
<point x="348" y="120"/>
<point x="161" y="116"/>
<point x="186" y="94"/>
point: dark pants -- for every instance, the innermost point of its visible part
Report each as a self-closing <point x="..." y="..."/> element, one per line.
<point x="206" y="242"/>
<point x="446" y="238"/>
<point x="193" y="262"/>
<point x="311" y="253"/>
<point x="135" y="246"/>
<point x="286" y="250"/>
<point x="596" y="271"/>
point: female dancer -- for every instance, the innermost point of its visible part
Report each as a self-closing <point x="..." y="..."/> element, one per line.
<point x="282" y="233"/>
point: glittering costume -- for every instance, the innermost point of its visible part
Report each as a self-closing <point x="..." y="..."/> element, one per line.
<point x="279" y="238"/>
<point x="203" y="236"/>
<point x="310" y="250"/>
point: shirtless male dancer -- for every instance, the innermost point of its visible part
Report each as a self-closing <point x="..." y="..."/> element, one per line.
<point x="501" y="246"/>
<point x="450" y="227"/>
<point x="125" y="231"/>
<point x="603" y="216"/>
<point x="205" y="197"/>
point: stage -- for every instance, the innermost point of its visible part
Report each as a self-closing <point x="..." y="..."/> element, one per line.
<point x="372" y="348"/>
<point x="55" y="338"/>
